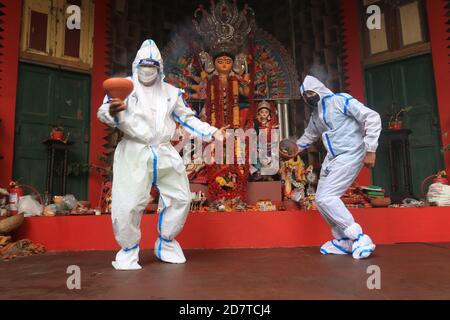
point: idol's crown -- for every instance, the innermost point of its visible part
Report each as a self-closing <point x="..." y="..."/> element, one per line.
<point x="225" y="28"/>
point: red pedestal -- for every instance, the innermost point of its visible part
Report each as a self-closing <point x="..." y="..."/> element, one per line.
<point x="243" y="230"/>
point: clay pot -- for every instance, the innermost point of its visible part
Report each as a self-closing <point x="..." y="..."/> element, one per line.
<point x="8" y="225"/>
<point x="288" y="149"/>
<point x="119" y="88"/>
<point x="381" y="202"/>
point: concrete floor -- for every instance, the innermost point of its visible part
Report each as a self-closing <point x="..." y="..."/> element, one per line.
<point x="408" y="271"/>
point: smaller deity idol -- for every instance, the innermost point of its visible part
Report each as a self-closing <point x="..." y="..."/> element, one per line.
<point x="264" y="121"/>
<point x="264" y="118"/>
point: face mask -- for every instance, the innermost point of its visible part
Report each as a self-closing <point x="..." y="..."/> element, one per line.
<point x="313" y="101"/>
<point x="147" y="76"/>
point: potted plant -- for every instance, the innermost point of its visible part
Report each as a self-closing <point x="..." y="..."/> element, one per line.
<point x="395" y="122"/>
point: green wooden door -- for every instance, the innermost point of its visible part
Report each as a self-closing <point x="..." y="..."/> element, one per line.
<point x="393" y="86"/>
<point x="47" y="97"/>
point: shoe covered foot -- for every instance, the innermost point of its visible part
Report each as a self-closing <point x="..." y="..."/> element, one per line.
<point x="363" y="247"/>
<point x="169" y="251"/>
<point x="127" y="259"/>
<point x="337" y="246"/>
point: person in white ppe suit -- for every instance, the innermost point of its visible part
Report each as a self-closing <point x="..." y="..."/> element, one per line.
<point x="145" y="157"/>
<point x="350" y="132"/>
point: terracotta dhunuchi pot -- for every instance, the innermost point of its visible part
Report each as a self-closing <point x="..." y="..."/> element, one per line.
<point x="119" y="88"/>
<point x="288" y="149"/>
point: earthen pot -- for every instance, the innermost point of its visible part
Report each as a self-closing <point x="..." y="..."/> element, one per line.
<point x="119" y="88"/>
<point x="288" y="149"/>
<point x="8" y="225"/>
<point x="381" y="202"/>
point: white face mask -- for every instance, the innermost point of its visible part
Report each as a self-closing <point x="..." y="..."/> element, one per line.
<point x="147" y="75"/>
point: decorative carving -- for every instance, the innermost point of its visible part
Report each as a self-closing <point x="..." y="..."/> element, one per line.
<point x="224" y="29"/>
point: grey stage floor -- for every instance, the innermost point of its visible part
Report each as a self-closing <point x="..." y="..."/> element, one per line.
<point x="407" y="271"/>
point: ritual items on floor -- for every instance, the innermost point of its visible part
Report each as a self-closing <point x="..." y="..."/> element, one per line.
<point x="377" y="196"/>
<point x="4" y="240"/>
<point x="374" y="191"/>
<point x="355" y="198"/>
<point x="84" y="208"/>
<point x="310" y="203"/>
<point x="68" y="205"/>
<point x="22" y="248"/>
<point x="266" y="206"/>
<point x="409" y="203"/>
<point x="30" y="207"/>
<point x="198" y="201"/>
<point x="228" y="205"/>
<point x="10" y="250"/>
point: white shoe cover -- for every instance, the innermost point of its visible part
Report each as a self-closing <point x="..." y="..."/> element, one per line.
<point x="340" y="247"/>
<point x="127" y="260"/>
<point x="363" y="247"/>
<point x="169" y="251"/>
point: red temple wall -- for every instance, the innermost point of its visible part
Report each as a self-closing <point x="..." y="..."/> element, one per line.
<point x="353" y="63"/>
<point x="99" y="74"/>
<point x="9" y="64"/>
<point x="440" y="50"/>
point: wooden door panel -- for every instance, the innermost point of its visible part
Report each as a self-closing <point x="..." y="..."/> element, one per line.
<point x="33" y="119"/>
<point x="36" y="94"/>
<point x="72" y="109"/>
<point x="381" y="94"/>
<point x="48" y="97"/>
<point x="396" y="85"/>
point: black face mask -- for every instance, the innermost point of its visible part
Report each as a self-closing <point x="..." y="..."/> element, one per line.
<point x="313" y="101"/>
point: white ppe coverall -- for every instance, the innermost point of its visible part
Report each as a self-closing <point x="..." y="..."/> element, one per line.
<point x="348" y="130"/>
<point x="145" y="157"/>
